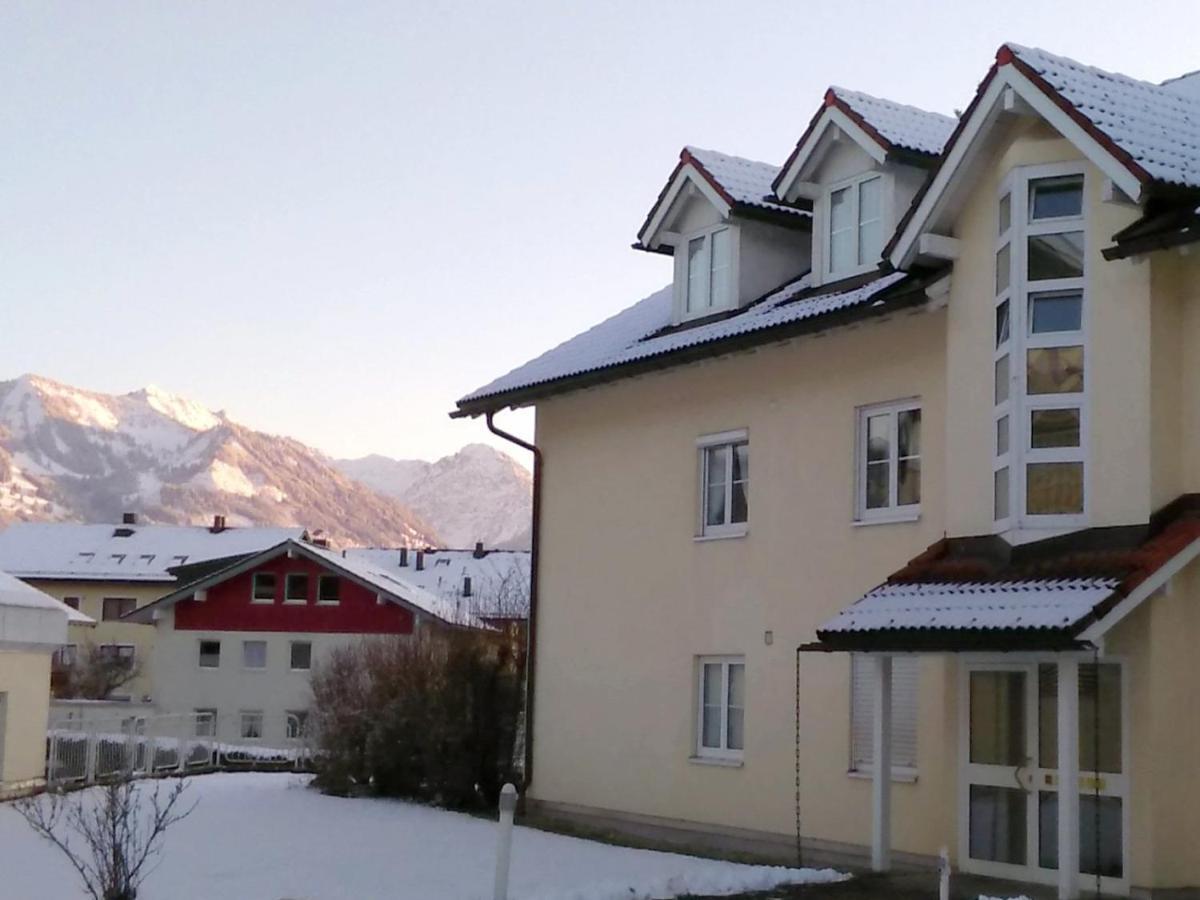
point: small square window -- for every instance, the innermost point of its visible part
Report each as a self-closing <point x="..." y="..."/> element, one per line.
<point x="210" y="654"/>
<point x="1056" y="198"/>
<point x="301" y="653"/>
<point x="115" y="607"/>
<point x="297" y="724"/>
<point x="206" y="722"/>
<point x="296" y="588"/>
<point x="254" y="654"/>
<point x="1055" y="256"/>
<point x="72" y="602"/>
<point x="1054" y="312"/>
<point x="263" y="590"/>
<point x="329" y="589"/>
<point x="1054" y="488"/>
<point x="251" y="725"/>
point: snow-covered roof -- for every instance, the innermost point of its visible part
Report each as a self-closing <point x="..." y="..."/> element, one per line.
<point x="630" y="335"/>
<point x="499" y="578"/>
<point x="65" y="550"/>
<point x="991" y="606"/>
<point x="1157" y="125"/>
<point x="744" y="181"/>
<point x="900" y="125"/>
<point x="30" y="617"/>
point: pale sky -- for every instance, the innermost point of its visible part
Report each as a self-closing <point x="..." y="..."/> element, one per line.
<point x="333" y="219"/>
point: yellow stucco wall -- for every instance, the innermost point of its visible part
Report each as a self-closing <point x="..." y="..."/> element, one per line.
<point x="92" y="594"/>
<point x="25" y="684"/>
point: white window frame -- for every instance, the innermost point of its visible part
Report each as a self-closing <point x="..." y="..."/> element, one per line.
<point x="246" y="666"/>
<point x="121" y="649"/>
<point x="300" y="717"/>
<point x="205" y="715"/>
<point x="291" y="656"/>
<point x="321" y="579"/>
<point x="66" y="655"/>
<point x="893" y="512"/>
<point x="287" y="587"/>
<point x="199" y="652"/>
<point x="859" y="764"/>
<point x="729" y="529"/>
<point x="885" y="220"/>
<point x="254" y="598"/>
<point x="724" y="752"/>
<point x="243" y="714"/>
<point x="682" y="283"/>
<point x="1020" y="405"/>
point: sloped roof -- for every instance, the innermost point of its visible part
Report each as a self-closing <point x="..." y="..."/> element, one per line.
<point x="70" y="551"/>
<point x="18" y="594"/>
<point x="644" y="331"/>
<point x="897" y="125"/>
<point x="980" y="593"/>
<point x="741" y="181"/>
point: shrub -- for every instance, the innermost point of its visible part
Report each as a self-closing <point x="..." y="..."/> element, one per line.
<point x="431" y="718"/>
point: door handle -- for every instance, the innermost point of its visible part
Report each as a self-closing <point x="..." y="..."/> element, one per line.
<point x="1017" y="775"/>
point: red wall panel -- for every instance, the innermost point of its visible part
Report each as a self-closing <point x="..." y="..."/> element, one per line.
<point x="228" y="606"/>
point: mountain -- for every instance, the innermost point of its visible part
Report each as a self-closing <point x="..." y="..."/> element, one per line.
<point x="477" y="494"/>
<point x="72" y="454"/>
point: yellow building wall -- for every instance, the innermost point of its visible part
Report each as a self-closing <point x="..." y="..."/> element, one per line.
<point x="25" y="684"/>
<point x="91" y="595"/>
<point x="629" y="598"/>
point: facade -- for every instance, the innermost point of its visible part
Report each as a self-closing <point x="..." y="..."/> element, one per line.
<point x="107" y="571"/>
<point x="33" y="625"/>
<point x="919" y="404"/>
<point x="237" y="646"/>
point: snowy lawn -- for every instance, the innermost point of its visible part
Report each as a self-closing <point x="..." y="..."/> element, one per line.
<point x="258" y="836"/>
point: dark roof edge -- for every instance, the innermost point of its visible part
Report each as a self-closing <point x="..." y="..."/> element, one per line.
<point x="947" y="640"/>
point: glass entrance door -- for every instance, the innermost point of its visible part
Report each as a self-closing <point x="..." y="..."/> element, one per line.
<point x="1010" y="807"/>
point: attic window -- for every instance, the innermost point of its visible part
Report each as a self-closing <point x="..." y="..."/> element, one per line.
<point x="855" y="226"/>
<point x="708" y="272"/>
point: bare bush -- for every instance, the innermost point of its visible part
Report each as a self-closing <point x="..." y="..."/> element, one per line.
<point x="431" y="718"/>
<point x="95" y="674"/>
<point x="112" y="834"/>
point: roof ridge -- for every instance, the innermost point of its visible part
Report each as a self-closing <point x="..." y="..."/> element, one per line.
<point x="842" y="92"/>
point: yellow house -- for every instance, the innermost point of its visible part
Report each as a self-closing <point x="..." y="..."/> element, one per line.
<point x="108" y="571"/>
<point x="879" y="521"/>
<point x="33" y="625"/>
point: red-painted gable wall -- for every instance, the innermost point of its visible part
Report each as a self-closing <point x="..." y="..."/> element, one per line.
<point x="228" y="607"/>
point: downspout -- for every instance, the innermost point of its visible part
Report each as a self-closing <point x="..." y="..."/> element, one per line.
<point x="531" y="637"/>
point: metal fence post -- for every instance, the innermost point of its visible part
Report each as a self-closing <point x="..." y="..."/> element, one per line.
<point x="184" y="728"/>
<point x="89" y="753"/>
<point x="508" y="804"/>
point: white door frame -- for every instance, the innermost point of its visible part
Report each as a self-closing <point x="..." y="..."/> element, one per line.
<point x="1034" y="778"/>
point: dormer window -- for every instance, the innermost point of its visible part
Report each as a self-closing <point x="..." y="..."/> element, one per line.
<point x="855" y="225"/>
<point x="708" y="286"/>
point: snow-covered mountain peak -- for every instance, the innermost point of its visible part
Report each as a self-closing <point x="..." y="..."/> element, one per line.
<point x="187" y="413"/>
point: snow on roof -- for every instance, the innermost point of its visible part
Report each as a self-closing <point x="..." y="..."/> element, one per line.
<point x="989" y="606"/>
<point x="499" y="578"/>
<point x="745" y="181"/>
<point x="16" y="593"/>
<point x="1158" y="125"/>
<point x="628" y="336"/>
<point x="899" y="124"/>
<point x="123" y="552"/>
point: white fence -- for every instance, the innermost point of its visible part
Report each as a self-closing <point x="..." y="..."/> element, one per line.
<point x="96" y="748"/>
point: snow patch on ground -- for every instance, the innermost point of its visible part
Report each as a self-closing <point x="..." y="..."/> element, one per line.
<point x="268" y="836"/>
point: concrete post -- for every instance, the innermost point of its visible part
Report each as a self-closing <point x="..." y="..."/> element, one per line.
<point x="881" y="783"/>
<point x="508" y="805"/>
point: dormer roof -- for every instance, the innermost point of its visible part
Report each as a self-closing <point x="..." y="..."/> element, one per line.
<point x="1143" y="136"/>
<point x="881" y="127"/>
<point x="733" y="184"/>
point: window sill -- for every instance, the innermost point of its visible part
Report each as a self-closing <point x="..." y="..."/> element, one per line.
<point x="295" y="602"/>
<point x="329" y="603"/>
<point x="889" y="519"/>
<point x="721" y="761"/>
<point x="261" y="602"/>
<point x="900" y="775"/>
<point x="722" y="535"/>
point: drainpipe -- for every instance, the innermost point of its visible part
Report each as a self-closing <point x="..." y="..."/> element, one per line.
<point x="531" y="636"/>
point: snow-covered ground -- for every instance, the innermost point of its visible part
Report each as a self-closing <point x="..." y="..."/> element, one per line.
<point x="258" y="836"/>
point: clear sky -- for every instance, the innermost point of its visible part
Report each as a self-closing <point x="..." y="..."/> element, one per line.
<point x="333" y="219"/>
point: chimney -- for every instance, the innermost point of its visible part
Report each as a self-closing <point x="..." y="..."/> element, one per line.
<point x="420" y="560"/>
<point x="479" y="553"/>
<point x="466" y="585"/>
<point x="129" y="518"/>
<point x="218" y="524"/>
<point x="403" y="557"/>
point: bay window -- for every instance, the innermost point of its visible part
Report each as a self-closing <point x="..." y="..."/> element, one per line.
<point x="1039" y="350"/>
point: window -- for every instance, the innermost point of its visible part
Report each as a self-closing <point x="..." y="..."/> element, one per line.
<point x="856" y="226"/>
<point x="301" y="656"/>
<point x="905" y="670"/>
<point x="124" y="652"/>
<point x="65" y="656"/>
<point x="328" y="589"/>
<point x="254" y="654"/>
<point x="72" y="602"/>
<point x="296" y="588"/>
<point x="1040" y="372"/>
<point x="263" y="589"/>
<point x="297" y="723"/>
<point x="115" y="607"/>
<point x="206" y="722"/>
<point x="251" y="724"/>
<point x="210" y="654"/>
<point x="720" y="725"/>
<point x="889" y="461"/>
<point x="708" y="284"/>
<point x="725" y="478"/>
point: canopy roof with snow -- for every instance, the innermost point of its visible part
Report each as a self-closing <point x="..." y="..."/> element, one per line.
<point x="31" y="618"/>
<point x="125" y="552"/>
<point x="387" y="583"/>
